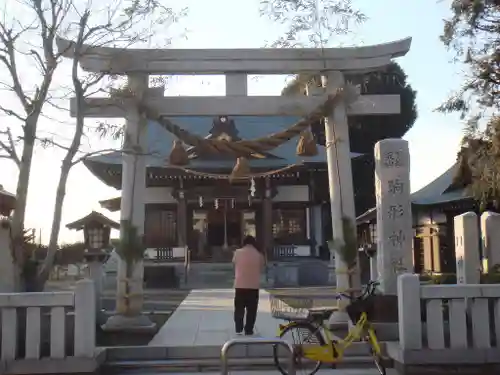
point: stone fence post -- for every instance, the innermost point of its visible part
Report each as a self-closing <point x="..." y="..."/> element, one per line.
<point x="410" y="326"/>
<point x="490" y="232"/>
<point x="85" y="319"/>
<point x="7" y="284"/>
<point x="467" y="248"/>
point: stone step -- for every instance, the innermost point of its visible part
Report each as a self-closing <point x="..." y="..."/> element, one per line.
<point x="147" y="353"/>
<point x="322" y="371"/>
<point x="214" y="364"/>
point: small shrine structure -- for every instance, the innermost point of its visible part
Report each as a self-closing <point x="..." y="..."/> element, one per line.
<point x="96" y="230"/>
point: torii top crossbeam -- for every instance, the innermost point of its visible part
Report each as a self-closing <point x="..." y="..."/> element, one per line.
<point x="248" y="61"/>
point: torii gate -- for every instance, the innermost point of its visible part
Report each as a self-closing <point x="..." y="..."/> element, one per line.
<point x="236" y="65"/>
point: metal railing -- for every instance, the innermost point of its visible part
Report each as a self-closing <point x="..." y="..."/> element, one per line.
<point x="255" y="341"/>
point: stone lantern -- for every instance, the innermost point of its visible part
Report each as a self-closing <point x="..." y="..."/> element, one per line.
<point x="7" y="204"/>
<point x="96" y="232"/>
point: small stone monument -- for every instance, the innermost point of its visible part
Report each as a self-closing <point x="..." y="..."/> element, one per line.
<point x="490" y="232"/>
<point x="394" y="218"/>
<point x="467" y="248"/>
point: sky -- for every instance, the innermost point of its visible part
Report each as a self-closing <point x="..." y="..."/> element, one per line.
<point x="433" y="140"/>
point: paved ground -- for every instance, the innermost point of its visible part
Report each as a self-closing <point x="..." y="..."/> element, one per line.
<point x="205" y="317"/>
<point x="321" y="372"/>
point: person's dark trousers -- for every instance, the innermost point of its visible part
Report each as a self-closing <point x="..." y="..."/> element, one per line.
<point x="245" y="299"/>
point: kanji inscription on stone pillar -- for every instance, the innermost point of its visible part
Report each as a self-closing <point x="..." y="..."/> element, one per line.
<point x="394" y="218"/>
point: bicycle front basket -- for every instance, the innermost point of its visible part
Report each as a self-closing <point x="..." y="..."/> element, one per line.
<point x="289" y="307"/>
<point x="356" y="308"/>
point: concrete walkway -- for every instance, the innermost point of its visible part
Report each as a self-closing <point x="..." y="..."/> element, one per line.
<point x="205" y="318"/>
<point x="320" y="372"/>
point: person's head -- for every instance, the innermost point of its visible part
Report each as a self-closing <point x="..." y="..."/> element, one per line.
<point x="250" y="241"/>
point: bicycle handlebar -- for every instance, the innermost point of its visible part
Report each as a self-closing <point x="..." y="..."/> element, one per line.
<point x="369" y="290"/>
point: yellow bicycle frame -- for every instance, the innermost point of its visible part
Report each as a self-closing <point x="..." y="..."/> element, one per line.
<point x="333" y="351"/>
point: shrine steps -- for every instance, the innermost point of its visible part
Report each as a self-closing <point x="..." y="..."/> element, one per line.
<point x="206" y="275"/>
<point x="130" y="360"/>
<point x="278" y="274"/>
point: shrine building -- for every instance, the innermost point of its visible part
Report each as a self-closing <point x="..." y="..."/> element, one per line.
<point x="213" y="214"/>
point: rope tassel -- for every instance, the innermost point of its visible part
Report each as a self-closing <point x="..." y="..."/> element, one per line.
<point x="240" y="170"/>
<point x="178" y="156"/>
<point x="307" y="144"/>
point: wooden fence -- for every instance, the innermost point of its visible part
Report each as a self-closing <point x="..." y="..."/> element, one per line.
<point x="37" y="325"/>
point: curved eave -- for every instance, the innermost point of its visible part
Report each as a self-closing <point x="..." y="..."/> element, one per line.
<point x="93" y="217"/>
<point x="112" y="205"/>
<point x="220" y="61"/>
<point x="110" y="174"/>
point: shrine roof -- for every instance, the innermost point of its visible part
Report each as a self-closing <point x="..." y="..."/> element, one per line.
<point x="160" y="143"/>
<point x="440" y="190"/>
<point x="93" y="217"/>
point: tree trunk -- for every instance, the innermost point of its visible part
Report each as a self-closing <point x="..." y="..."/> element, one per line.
<point x="67" y="162"/>
<point x="19" y="255"/>
<point x="56" y="225"/>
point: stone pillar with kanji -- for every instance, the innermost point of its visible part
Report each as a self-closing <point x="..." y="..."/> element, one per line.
<point x="394" y="218"/>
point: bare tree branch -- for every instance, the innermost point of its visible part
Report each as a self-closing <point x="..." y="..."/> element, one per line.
<point x="9" y="148"/>
<point x="33" y="38"/>
<point x="118" y="28"/>
<point x="10" y="112"/>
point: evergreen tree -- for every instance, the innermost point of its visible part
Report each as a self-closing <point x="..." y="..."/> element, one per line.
<point x="473" y="33"/>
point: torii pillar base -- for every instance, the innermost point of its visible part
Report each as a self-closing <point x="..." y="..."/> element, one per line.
<point x="129" y="324"/>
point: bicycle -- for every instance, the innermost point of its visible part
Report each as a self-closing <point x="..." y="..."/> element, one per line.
<point x="324" y="348"/>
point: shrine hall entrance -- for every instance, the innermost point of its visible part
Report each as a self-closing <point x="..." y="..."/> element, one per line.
<point x="224" y="229"/>
<point x="218" y="231"/>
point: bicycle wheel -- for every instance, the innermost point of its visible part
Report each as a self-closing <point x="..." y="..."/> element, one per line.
<point x="307" y="334"/>
<point x="372" y="340"/>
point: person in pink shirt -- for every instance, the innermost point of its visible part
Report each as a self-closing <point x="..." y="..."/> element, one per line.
<point x="248" y="266"/>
